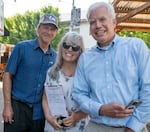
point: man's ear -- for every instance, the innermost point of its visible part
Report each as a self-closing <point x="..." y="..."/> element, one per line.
<point x="114" y="22"/>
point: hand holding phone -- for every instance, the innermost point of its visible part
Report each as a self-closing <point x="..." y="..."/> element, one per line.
<point x="133" y="104"/>
<point x="60" y="120"/>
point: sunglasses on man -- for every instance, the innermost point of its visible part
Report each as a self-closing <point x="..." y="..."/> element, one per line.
<point x="74" y="47"/>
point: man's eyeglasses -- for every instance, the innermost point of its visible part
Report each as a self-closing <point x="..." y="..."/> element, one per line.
<point x="74" y="48"/>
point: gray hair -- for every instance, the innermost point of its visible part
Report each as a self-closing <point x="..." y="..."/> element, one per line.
<point x="96" y="5"/>
<point x="72" y="38"/>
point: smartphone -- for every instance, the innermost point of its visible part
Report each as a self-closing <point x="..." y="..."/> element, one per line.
<point x="133" y="104"/>
<point x="60" y="120"/>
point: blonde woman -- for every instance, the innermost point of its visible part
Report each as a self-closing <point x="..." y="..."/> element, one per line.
<point x="62" y="74"/>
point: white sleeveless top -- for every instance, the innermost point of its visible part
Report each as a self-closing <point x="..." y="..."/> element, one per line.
<point x="67" y="84"/>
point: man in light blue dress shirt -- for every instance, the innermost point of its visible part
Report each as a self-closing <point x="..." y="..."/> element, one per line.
<point x="111" y="74"/>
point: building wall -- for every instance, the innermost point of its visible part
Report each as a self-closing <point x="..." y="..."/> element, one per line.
<point x="83" y="29"/>
<point x="1" y="18"/>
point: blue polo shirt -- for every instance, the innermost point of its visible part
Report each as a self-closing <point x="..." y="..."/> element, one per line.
<point x="29" y="64"/>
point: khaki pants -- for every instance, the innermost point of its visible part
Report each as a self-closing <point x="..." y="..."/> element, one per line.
<point x="94" y="127"/>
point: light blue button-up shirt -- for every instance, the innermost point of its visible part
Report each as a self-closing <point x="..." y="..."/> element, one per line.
<point x="117" y="73"/>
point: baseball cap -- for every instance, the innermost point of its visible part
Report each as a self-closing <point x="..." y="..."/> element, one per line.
<point x="49" y="19"/>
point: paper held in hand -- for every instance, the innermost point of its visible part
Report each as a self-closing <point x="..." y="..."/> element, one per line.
<point x="56" y="100"/>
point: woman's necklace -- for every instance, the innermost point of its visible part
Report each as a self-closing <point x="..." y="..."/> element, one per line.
<point x="67" y="77"/>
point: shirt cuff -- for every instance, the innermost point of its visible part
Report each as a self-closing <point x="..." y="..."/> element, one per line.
<point x="135" y="125"/>
<point x="94" y="109"/>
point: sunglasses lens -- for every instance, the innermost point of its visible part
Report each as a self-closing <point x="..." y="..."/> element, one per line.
<point x="77" y="48"/>
<point x="74" y="48"/>
<point x="65" y="46"/>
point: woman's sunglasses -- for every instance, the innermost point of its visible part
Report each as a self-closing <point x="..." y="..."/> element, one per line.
<point x="74" y="48"/>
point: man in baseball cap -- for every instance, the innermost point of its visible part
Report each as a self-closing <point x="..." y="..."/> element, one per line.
<point x="25" y="95"/>
<point x="49" y="19"/>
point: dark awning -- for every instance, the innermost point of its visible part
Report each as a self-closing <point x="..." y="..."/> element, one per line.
<point x="6" y="32"/>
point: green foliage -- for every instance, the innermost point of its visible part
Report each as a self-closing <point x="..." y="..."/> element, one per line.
<point x="143" y="35"/>
<point x="23" y="27"/>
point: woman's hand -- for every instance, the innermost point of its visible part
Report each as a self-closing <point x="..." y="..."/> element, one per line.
<point x="53" y="121"/>
<point x="70" y="121"/>
<point x="74" y="117"/>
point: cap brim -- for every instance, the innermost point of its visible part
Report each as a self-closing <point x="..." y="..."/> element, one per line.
<point x="47" y="22"/>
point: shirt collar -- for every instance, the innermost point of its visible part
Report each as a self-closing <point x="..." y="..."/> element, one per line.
<point x="36" y="46"/>
<point x="111" y="45"/>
